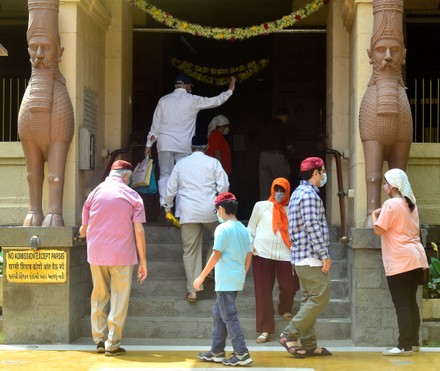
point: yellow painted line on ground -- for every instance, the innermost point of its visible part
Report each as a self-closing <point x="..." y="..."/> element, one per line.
<point x="186" y="360"/>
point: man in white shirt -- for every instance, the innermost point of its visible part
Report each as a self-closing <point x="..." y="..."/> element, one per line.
<point x="199" y="179"/>
<point x="174" y="124"/>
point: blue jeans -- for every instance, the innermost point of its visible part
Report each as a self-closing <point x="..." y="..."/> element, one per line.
<point x="226" y="321"/>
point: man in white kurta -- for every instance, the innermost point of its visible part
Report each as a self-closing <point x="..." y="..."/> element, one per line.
<point x="199" y="179"/>
<point x="174" y="124"/>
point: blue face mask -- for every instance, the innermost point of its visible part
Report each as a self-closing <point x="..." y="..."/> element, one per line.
<point x="323" y="181"/>
<point x="220" y="219"/>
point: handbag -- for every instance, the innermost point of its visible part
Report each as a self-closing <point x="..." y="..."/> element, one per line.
<point x="151" y="188"/>
<point x="142" y="173"/>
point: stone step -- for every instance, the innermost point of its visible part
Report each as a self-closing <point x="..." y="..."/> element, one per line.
<point x="158" y="310"/>
<point x="201" y="328"/>
<point x="177" y="288"/>
<point x="179" y="307"/>
<point x="175" y="270"/>
<point x="173" y="251"/>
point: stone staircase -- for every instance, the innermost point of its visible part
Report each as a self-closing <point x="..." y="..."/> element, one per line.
<point x="159" y="311"/>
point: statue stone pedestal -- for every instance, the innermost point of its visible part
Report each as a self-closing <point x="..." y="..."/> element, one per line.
<point x="373" y="315"/>
<point x="46" y="290"/>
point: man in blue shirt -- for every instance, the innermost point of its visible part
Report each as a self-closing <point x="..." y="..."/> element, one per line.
<point x="231" y="256"/>
<point x="308" y="232"/>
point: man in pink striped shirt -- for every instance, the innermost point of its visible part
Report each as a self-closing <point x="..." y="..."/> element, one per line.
<point x="112" y="219"/>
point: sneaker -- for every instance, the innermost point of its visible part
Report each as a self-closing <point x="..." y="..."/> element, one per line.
<point x="397" y="352"/>
<point x="238" y="360"/>
<point x="116" y="352"/>
<point x="211" y="357"/>
<point x="100" y="347"/>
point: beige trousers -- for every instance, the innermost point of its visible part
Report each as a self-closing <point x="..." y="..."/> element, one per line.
<point x="111" y="284"/>
<point x="192" y="240"/>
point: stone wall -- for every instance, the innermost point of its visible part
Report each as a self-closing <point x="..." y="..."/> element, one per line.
<point x="374" y="319"/>
<point x="45" y="312"/>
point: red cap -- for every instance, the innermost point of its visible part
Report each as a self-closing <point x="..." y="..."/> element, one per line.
<point x="311" y="163"/>
<point x="122" y="165"/>
<point x="225" y="196"/>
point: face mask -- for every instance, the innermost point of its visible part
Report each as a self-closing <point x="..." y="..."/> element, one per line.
<point x="226" y="131"/>
<point x="278" y="196"/>
<point x="323" y="181"/>
<point x="130" y="182"/>
<point x="220" y="219"/>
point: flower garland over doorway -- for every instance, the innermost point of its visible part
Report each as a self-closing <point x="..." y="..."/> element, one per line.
<point x="220" y="76"/>
<point x="232" y="33"/>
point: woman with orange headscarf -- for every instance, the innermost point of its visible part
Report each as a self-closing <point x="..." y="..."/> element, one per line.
<point x="268" y="231"/>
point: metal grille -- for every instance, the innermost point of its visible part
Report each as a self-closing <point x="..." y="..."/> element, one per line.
<point x="11" y="94"/>
<point x="425" y="107"/>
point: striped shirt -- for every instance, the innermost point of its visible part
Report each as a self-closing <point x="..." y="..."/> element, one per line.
<point x="308" y="227"/>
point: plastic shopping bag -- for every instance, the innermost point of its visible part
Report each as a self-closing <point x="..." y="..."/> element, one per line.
<point x="142" y="173"/>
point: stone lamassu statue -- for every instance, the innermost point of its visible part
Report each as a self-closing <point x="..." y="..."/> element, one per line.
<point x="45" y="120"/>
<point x="385" y="119"/>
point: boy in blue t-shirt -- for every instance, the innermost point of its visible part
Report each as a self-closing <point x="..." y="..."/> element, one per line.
<point x="231" y="256"/>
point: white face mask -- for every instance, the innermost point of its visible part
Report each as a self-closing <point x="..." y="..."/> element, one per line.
<point x="278" y="196"/>
<point x="226" y="131"/>
<point x="324" y="180"/>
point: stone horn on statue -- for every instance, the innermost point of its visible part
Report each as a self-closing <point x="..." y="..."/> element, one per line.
<point x="45" y="120"/>
<point x="385" y="119"/>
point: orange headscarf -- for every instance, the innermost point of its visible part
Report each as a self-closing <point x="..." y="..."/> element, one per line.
<point x="279" y="215"/>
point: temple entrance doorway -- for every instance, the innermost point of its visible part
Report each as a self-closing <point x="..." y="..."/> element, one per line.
<point x="293" y="77"/>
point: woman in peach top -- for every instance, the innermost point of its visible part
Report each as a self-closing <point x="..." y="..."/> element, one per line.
<point x="403" y="256"/>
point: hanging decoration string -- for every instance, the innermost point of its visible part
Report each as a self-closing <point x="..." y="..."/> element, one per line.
<point x="232" y="33"/>
<point x="220" y="76"/>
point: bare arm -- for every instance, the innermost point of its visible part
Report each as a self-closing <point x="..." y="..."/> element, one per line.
<point x="213" y="259"/>
<point x="248" y="261"/>
<point x="142" y="248"/>
<point x="374" y="216"/>
<point x="83" y="231"/>
<point x="232" y="83"/>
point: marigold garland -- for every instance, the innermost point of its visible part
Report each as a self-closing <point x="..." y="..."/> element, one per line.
<point x="232" y="33"/>
<point x="220" y="76"/>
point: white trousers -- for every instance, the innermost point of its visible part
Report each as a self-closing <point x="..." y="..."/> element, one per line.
<point x="111" y="284"/>
<point x="167" y="160"/>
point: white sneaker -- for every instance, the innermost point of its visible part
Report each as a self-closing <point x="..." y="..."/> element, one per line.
<point x="397" y="352"/>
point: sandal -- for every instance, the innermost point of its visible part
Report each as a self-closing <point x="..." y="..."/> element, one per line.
<point x="263" y="338"/>
<point x="284" y="339"/>
<point x="303" y="353"/>
<point x="287" y="316"/>
<point x="191" y="297"/>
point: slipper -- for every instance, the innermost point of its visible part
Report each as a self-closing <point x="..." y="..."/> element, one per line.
<point x="189" y="297"/>
<point x="284" y="339"/>
<point x="303" y="353"/>
<point x="287" y="316"/>
<point x="263" y="338"/>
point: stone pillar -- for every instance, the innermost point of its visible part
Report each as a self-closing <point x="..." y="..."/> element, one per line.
<point x="373" y="315"/>
<point x="44" y="298"/>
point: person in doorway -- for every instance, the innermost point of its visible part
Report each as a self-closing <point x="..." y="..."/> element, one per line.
<point x="309" y="234"/>
<point x="403" y="255"/>
<point x="269" y="233"/>
<point x="275" y="148"/>
<point x="198" y="178"/>
<point x="232" y="257"/>
<point x="112" y="219"/>
<point x="174" y="124"/>
<point x="218" y="146"/>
